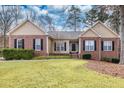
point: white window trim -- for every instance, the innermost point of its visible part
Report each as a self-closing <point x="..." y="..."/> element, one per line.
<point x="93" y="45"/>
<point x="35" y="44"/>
<point x="107" y="46"/>
<point x="17" y="42"/>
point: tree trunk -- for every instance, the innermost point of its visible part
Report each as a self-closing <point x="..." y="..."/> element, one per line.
<point x="122" y="34"/>
<point x="75" y="21"/>
<point x="4" y="39"/>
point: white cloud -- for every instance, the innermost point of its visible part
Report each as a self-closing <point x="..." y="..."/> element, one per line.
<point x="59" y="28"/>
<point x="86" y="8"/>
<point x="38" y="10"/>
<point x="44" y="12"/>
<point x="54" y="16"/>
<point x="58" y="6"/>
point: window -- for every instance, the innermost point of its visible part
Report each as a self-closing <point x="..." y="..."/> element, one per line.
<point x="19" y="43"/>
<point x="60" y="46"/>
<point x="89" y="45"/>
<point x="55" y="46"/>
<point x="107" y="45"/>
<point x="38" y="44"/>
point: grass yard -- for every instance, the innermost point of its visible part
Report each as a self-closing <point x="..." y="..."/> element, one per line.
<point x="54" y="73"/>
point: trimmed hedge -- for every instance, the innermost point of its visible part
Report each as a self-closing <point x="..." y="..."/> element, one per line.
<point x="10" y="54"/>
<point x="86" y="56"/>
<point x="113" y="60"/>
<point x="51" y="57"/>
<point x="107" y="59"/>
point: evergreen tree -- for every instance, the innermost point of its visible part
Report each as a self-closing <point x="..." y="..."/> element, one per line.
<point x="95" y="14"/>
<point x="74" y="18"/>
<point x="114" y="20"/>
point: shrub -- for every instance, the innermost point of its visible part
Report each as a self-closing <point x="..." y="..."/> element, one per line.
<point x="106" y="59"/>
<point x="51" y="57"/>
<point x="1" y="52"/>
<point x="115" y="60"/>
<point x="10" y="54"/>
<point x="86" y="56"/>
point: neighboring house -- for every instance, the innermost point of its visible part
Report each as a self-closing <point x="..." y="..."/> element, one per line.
<point x="99" y="41"/>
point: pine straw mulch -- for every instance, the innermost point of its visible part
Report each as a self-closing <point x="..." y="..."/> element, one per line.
<point x="106" y="68"/>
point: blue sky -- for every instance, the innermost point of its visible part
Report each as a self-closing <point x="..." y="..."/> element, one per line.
<point x="56" y="12"/>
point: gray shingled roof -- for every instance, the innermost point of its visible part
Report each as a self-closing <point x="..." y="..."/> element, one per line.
<point x="64" y="34"/>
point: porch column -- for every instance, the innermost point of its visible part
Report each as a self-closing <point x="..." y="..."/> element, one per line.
<point x="68" y="46"/>
<point x="47" y="45"/>
<point x="79" y="45"/>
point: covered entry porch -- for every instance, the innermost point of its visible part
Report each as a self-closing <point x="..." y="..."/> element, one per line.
<point x="65" y="47"/>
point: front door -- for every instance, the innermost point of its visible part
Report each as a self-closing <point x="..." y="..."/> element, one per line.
<point x="73" y="47"/>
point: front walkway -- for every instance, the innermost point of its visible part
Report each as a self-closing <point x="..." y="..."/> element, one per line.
<point x="106" y="68"/>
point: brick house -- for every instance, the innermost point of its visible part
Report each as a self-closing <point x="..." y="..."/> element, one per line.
<point x="99" y="40"/>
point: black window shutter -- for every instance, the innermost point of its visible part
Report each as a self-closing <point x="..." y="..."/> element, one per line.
<point x="83" y="44"/>
<point x="55" y="46"/>
<point x="113" y="45"/>
<point x="41" y="44"/>
<point x="95" y="45"/>
<point x="34" y="44"/>
<point x="65" y="46"/>
<point x="23" y="43"/>
<point x="102" y="45"/>
<point x="15" y="43"/>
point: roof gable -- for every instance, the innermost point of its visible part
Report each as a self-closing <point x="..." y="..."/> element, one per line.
<point x="90" y="33"/>
<point x="26" y="28"/>
<point x="103" y="30"/>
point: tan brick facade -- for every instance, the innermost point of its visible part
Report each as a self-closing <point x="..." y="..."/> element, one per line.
<point x="28" y="42"/>
<point x="116" y="51"/>
<point x="95" y="54"/>
<point x="98" y="54"/>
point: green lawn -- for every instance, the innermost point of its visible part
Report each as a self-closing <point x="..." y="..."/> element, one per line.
<point x="53" y="73"/>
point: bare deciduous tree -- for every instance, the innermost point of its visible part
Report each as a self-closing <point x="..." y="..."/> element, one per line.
<point x="8" y="14"/>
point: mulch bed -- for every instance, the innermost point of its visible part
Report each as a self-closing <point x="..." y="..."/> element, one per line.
<point x="106" y="68"/>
